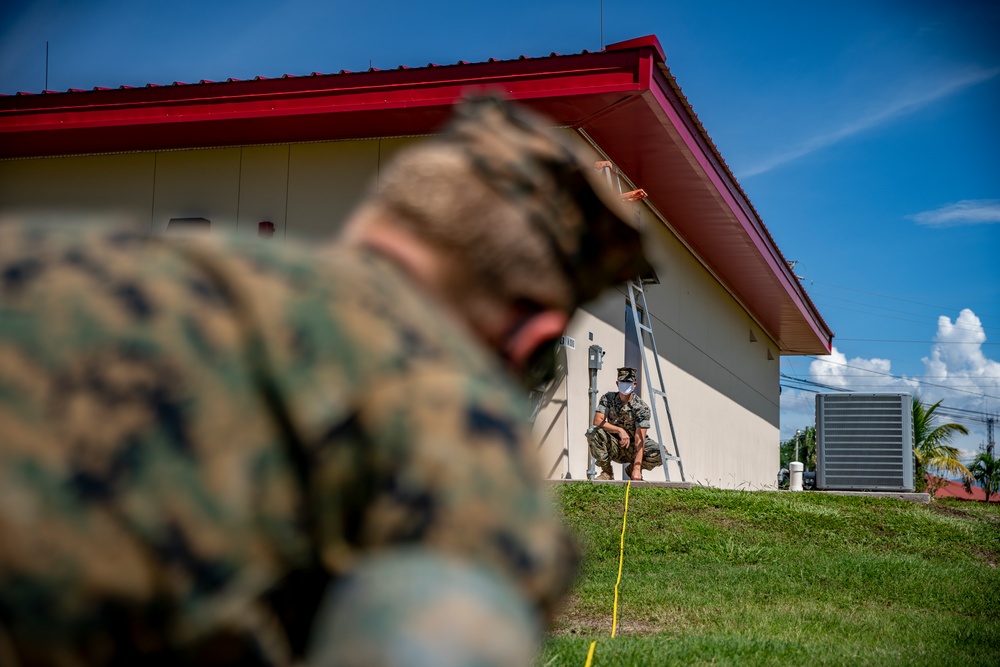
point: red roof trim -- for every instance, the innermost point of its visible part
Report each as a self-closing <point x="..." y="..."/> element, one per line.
<point x="637" y="43"/>
<point x="718" y="171"/>
<point x="624" y="98"/>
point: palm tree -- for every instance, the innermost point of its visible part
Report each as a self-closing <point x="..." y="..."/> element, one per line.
<point x="986" y="469"/>
<point x="930" y="444"/>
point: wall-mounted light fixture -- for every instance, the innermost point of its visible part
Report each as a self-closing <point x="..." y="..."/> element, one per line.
<point x="265" y="229"/>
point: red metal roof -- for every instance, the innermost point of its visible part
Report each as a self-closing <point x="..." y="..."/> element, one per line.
<point x="624" y="98"/>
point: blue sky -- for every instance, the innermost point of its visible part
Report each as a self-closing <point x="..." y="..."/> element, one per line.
<point x="865" y="133"/>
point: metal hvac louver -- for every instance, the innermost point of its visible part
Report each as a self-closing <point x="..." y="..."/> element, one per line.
<point x="864" y="442"/>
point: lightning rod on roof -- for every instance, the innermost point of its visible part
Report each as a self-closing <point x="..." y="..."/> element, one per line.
<point x="46" y="65"/>
<point x="602" y="25"/>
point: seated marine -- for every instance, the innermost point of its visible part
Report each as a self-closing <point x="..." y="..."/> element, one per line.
<point x="619" y="432"/>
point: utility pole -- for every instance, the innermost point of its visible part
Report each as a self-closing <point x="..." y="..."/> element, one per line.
<point x="990" y="443"/>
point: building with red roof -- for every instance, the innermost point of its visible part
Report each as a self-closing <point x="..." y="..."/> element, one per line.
<point x="295" y="154"/>
<point x="947" y="488"/>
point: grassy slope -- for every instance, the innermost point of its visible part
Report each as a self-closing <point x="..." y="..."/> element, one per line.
<point x="748" y="578"/>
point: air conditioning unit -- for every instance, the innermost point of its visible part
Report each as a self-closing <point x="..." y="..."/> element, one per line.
<point x="864" y="442"/>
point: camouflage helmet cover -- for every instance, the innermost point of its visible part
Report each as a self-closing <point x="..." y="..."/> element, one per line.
<point x="586" y="225"/>
<point x="626" y="374"/>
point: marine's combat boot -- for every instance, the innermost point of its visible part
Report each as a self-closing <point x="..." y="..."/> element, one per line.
<point x="606" y="472"/>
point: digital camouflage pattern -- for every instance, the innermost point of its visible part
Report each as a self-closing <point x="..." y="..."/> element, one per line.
<point x="589" y="229"/>
<point x="195" y="441"/>
<point x="547" y="228"/>
<point x="606" y="447"/>
<point x="628" y="415"/>
<point x="626" y="374"/>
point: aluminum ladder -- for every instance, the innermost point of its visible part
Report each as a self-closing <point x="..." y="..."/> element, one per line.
<point x="659" y="390"/>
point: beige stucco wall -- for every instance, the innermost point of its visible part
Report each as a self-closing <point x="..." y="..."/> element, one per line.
<point x="306" y="189"/>
<point x="721" y="387"/>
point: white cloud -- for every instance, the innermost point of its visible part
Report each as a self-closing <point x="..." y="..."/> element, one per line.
<point x="859" y="374"/>
<point x="957" y="370"/>
<point x="957" y="358"/>
<point x="901" y="106"/>
<point x="965" y="212"/>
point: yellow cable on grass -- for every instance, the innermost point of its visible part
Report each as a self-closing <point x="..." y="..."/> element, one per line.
<point x="590" y="654"/>
<point x="621" y="561"/>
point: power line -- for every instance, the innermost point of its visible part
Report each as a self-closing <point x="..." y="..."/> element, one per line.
<point x="943" y="410"/>
<point x="893" y="298"/>
<point x="899" y="377"/>
<point x="977" y="412"/>
<point x="867" y="373"/>
<point x="811" y="383"/>
<point x="900" y="319"/>
<point x="894" y="310"/>
<point x="922" y="342"/>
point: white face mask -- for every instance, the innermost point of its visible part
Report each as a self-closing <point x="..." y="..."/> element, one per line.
<point x="626" y="387"/>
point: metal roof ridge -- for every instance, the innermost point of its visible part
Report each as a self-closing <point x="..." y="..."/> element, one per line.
<point x="643" y="41"/>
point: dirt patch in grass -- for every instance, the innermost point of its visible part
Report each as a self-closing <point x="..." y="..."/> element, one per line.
<point x="965" y="509"/>
<point x="587" y="626"/>
<point x="948" y="510"/>
<point x="577" y="621"/>
<point x="991" y="557"/>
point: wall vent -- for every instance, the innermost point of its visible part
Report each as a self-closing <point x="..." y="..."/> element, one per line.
<point x="864" y="442"/>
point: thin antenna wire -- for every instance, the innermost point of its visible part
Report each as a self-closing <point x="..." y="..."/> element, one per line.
<point x="602" y="25"/>
<point x="47" y="64"/>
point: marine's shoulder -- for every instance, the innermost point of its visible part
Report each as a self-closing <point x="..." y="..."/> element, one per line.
<point x="611" y="400"/>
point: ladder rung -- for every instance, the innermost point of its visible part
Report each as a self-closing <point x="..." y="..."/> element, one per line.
<point x="646" y="328"/>
<point x="658" y="392"/>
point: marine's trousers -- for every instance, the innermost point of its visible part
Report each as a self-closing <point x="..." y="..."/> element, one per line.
<point x="605" y="447"/>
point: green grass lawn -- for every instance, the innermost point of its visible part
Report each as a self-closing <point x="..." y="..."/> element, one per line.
<point x="766" y="578"/>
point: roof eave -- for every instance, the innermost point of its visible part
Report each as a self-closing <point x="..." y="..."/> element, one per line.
<point x="624" y="98"/>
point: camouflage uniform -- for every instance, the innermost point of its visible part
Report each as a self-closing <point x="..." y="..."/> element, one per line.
<point x="312" y="412"/>
<point x="632" y="415"/>
<point x="215" y="456"/>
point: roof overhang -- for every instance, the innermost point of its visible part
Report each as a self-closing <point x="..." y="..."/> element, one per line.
<point x="624" y="98"/>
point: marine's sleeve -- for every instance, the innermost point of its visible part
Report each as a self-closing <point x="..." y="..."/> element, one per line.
<point x="603" y="405"/>
<point x="446" y="463"/>
<point x="409" y="433"/>
<point x="144" y="502"/>
<point x="642" y="415"/>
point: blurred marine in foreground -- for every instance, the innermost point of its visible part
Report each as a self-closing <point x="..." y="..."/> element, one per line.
<point x="217" y="455"/>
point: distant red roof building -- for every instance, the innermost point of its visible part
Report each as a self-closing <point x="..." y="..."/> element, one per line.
<point x="951" y="489"/>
